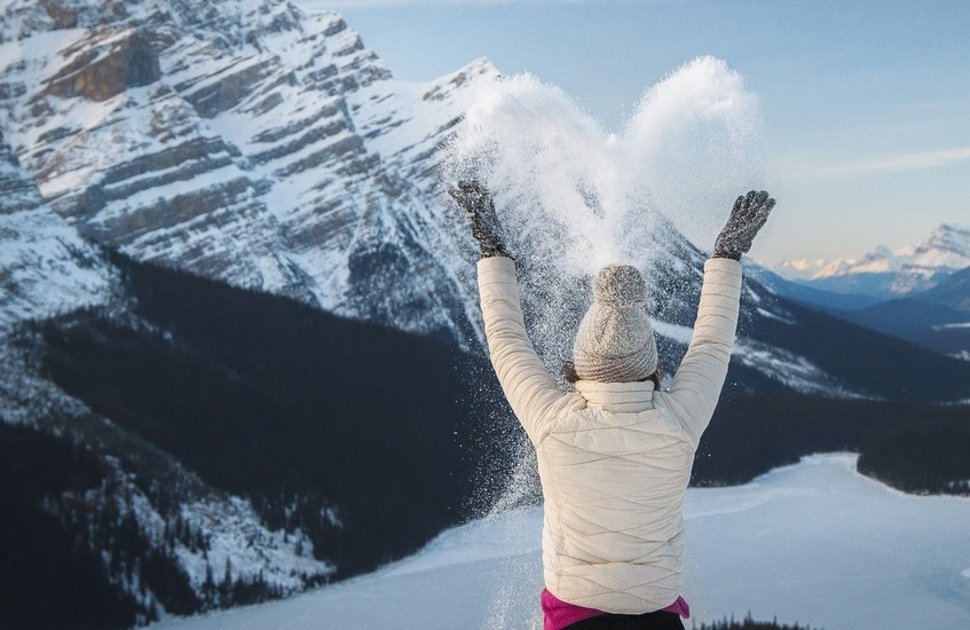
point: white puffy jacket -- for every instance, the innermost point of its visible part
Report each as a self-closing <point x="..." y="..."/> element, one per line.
<point x="614" y="458"/>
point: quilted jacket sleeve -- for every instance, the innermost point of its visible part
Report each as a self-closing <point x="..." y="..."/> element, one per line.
<point x="527" y="386"/>
<point x="697" y="384"/>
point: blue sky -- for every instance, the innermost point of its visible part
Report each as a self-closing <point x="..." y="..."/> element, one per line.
<point x="866" y="105"/>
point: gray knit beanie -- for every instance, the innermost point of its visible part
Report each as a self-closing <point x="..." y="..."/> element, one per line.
<point x="615" y="341"/>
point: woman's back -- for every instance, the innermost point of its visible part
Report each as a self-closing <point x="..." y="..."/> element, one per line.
<point x="614" y="469"/>
<point x="614" y="458"/>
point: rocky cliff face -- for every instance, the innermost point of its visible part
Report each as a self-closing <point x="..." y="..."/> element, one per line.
<point x="245" y="141"/>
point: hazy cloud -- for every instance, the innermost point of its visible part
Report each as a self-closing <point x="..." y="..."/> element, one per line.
<point x="910" y="161"/>
<point x="882" y="165"/>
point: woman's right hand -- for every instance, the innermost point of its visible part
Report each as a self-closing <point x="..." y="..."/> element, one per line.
<point x="475" y="202"/>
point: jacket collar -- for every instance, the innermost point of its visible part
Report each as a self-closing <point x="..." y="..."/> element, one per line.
<point x="617" y="397"/>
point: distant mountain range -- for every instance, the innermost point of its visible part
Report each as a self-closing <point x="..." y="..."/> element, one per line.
<point x="885" y="274"/>
<point x="921" y="293"/>
<point x="937" y="318"/>
<point x="236" y="309"/>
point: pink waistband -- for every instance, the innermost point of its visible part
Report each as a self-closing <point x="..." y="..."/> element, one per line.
<point x="560" y="614"/>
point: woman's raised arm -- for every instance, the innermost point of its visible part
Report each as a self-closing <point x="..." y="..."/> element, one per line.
<point x="527" y="386"/>
<point x="697" y="383"/>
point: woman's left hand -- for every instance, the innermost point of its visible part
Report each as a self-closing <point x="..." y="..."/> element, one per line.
<point x="747" y="217"/>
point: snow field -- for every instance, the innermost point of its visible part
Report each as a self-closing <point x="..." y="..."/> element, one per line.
<point x="815" y="543"/>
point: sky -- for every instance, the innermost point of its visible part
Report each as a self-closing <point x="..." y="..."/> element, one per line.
<point x="865" y="105"/>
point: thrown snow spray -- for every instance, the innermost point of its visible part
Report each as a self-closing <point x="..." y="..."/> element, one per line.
<point x="573" y="198"/>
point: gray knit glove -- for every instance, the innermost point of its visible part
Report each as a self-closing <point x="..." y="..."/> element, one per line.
<point x="748" y="215"/>
<point x="475" y="202"/>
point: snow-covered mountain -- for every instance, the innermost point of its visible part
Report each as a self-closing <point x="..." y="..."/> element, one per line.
<point x="46" y="270"/>
<point x="246" y="141"/>
<point x="918" y="293"/>
<point x="260" y="145"/>
<point x="884" y="273"/>
<point x="238" y="141"/>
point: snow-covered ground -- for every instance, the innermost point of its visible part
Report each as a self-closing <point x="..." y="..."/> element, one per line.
<point x="815" y="543"/>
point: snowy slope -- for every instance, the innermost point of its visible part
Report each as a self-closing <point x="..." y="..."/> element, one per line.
<point x="879" y="559"/>
<point x="45" y="266"/>
<point x="954" y="292"/>
<point x="918" y="293"/>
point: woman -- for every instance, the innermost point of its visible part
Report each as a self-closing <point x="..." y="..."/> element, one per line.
<point x="615" y="456"/>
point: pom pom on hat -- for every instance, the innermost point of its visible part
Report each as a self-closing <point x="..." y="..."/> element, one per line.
<point x="615" y="341"/>
<point x="620" y="286"/>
